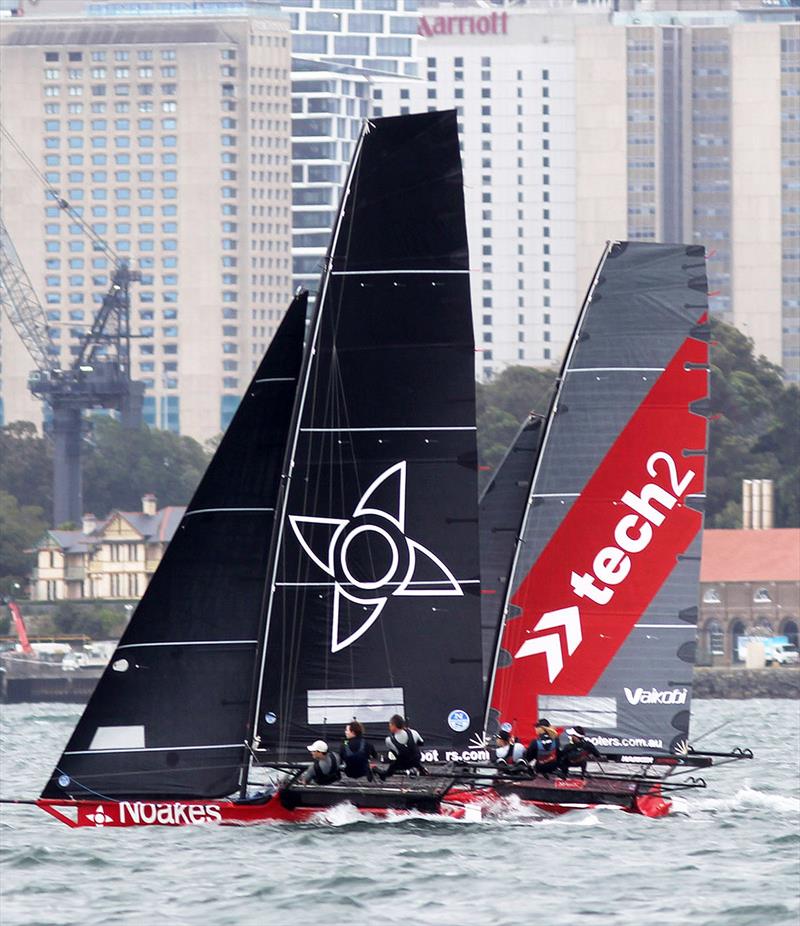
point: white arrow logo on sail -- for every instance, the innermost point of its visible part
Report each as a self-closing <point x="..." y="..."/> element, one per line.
<point x="551" y="643"/>
<point x="381" y="514"/>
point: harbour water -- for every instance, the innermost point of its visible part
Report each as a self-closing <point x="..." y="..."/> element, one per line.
<point x="727" y="856"/>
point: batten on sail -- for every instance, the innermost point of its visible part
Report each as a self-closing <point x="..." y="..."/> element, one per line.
<point x="169" y="715"/>
<point x="600" y="613"/>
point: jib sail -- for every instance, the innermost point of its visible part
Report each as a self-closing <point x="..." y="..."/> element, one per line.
<point x="600" y="616"/>
<point x="501" y="510"/>
<point x="169" y="716"/>
<point x="374" y="606"/>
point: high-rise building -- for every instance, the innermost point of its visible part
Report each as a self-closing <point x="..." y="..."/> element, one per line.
<point x="612" y="119"/>
<point x="166" y="126"/>
<point x="338" y="47"/>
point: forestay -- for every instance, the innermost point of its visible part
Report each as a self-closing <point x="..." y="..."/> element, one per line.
<point x="169" y="716"/>
<point x="601" y="610"/>
<point x="374" y="606"/>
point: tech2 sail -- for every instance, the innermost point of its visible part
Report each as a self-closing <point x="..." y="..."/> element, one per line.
<point x="599" y="618"/>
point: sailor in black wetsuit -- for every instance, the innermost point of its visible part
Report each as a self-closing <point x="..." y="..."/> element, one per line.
<point x="404" y="743"/>
<point x="356" y="753"/>
<point x="324" y="770"/>
<point x="542" y="753"/>
<point x="577" y="753"/>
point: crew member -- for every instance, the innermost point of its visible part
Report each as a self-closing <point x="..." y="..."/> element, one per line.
<point x="356" y="753"/>
<point x="577" y="753"/>
<point x="542" y="753"/>
<point x="404" y="743"/>
<point x="324" y="769"/>
<point x="507" y="750"/>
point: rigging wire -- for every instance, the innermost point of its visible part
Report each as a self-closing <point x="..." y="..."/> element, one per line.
<point x="63" y="204"/>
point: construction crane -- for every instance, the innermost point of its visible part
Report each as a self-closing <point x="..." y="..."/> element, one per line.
<point x="98" y="377"/>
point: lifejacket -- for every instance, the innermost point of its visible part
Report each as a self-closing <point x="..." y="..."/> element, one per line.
<point x="327" y="778"/>
<point x="546" y="750"/>
<point x="356" y="761"/>
<point x="408" y="754"/>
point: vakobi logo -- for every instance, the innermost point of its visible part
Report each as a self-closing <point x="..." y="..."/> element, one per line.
<point x="654" y="696"/>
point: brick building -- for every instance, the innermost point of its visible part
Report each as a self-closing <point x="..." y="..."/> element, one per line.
<point x="749" y="585"/>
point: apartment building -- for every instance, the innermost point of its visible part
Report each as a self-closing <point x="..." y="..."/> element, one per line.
<point x="338" y="48"/>
<point x="583" y="122"/>
<point x="166" y="126"/>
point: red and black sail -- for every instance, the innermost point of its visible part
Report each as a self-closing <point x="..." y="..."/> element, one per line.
<point x="169" y="716"/>
<point x="600" y="615"/>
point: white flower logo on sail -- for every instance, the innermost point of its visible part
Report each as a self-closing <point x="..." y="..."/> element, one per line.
<point x="382" y="533"/>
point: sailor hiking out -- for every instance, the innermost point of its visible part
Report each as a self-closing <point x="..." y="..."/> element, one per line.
<point x="577" y="752"/>
<point x="542" y="752"/>
<point x="403" y="743"/>
<point x="324" y="770"/>
<point x="507" y="750"/>
<point x="357" y="755"/>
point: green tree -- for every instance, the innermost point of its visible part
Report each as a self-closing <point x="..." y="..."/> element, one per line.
<point x="27" y="465"/>
<point x="93" y="620"/>
<point x="122" y="465"/>
<point x="21" y="526"/>
<point x="503" y="405"/>
<point x="753" y="428"/>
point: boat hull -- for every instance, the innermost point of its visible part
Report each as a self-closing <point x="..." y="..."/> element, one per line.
<point x="298" y="805"/>
<point x="283" y="806"/>
<point x="560" y="795"/>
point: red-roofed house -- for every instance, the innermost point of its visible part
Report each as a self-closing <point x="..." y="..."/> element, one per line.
<point x="115" y="558"/>
<point x="750" y="586"/>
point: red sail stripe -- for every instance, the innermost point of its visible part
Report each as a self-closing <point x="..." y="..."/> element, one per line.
<point x="584" y="545"/>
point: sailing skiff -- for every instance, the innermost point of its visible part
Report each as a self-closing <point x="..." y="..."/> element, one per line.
<point x="327" y="567"/>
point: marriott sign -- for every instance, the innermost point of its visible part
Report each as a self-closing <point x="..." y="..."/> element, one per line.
<point x="491" y="24"/>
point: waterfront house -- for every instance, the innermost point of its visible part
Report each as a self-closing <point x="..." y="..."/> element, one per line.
<point x="105" y="559"/>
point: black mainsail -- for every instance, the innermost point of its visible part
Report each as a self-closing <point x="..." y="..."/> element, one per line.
<point x="169" y="716"/>
<point x="374" y="602"/>
<point x="599" y="619"/>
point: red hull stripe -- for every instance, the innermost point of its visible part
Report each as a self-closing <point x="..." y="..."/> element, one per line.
<point x="613" y="550"/>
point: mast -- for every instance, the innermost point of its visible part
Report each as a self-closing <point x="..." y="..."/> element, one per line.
<point x="288" y="465"/>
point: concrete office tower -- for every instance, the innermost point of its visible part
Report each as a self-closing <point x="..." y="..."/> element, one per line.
<point x="168" y="128"/>
<point x="649" y="120"/>
<point x="713" y="155"/>
<point x="338" y="47"/>
<point x="542" y="126"/>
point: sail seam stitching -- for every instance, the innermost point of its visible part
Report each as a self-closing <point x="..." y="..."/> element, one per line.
<point x="208" y="510"/>
<point x="184" y="643"/>
<point x="431" y="428"/>
<point x="89" y="752"/>
<point x="360" y="273"/>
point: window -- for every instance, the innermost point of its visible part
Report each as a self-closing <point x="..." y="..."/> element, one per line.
<point x="715" y="639"/>
<point x="711" y="596"/>
<point x="762" y="595"/>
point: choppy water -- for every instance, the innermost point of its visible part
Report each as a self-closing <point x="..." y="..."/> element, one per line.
<point x="729" y="856"/>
